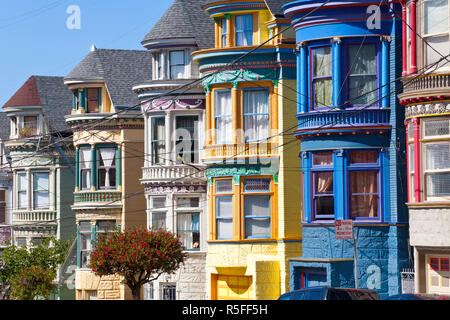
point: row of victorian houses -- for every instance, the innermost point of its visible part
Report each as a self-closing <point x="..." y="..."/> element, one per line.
<point x="248" y="128"/>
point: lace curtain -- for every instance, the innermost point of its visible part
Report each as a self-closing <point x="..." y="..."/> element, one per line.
<point x="244" y="30"/>
<point x="108" y="156"/>
<point x="223" y="117"/>
<point x="256" y="114"/>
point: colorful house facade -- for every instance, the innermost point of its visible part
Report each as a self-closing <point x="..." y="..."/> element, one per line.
<point x="425" y="98"/>
<point x="352" y="161"/>
<point x="254" y="226"/>
<point x="41" y="163"/>
<point x="173" y="176"/>
<point x="108" y="135"/>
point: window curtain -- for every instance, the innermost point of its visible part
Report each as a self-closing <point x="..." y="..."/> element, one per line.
<point x="364" y="189"/>
<point x="436" y="158"/>
<point x="365" y="156"/>
<point x="177" y="64"/>
<point x="323" y="88"/>
<point x="363" y="74"/>
<point x="224" y="32"/>
<point x="256" y="114"/>
<point x="223" y="117"/>
<point x="244" y="30"/>
<point x="439" y="44"/>
<point x="322" y="158"/>
<point x="41" y="190"/>
<point x="436" y="16"/>
<point x="108" y="155"/>
<point x="187" y="224"/>
<point x="158" y="220"/>
<point x="158" y="140"/>
<point x="324" y="182"/>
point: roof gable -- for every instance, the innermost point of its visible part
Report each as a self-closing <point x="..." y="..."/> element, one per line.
<point x="27" y="95"/>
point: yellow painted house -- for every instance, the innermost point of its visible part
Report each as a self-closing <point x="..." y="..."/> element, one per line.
<point x="108" y="135"/>
<point x="251" y="156"/>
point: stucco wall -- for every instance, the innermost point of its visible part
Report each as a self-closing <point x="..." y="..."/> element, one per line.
<point x="430" y="227"/>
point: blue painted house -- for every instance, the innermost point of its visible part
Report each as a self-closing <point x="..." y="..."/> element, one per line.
<point x="352" y="159"/>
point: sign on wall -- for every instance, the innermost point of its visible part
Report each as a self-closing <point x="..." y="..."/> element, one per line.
<point x="344" y="229"/>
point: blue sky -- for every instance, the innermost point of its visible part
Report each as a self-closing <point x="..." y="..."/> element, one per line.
<point x="36" y="40"/>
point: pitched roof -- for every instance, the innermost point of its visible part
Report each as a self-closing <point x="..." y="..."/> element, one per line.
<point x="119" y="69"/>
<point x="185" y="19"/>
<point x="275" y="7"/>
<point x="48" y="92"/>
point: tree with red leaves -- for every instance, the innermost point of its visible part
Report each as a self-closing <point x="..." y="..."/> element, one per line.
<point x="139" y="256"/>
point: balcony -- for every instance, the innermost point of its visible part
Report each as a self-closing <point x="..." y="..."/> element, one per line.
<point x="223" y="152"/>
<point x="180" y="174"/>
<point x="34" y="216"/>
<point x="341" y="119"/>
<point x="102" y="199"/>
<point x="425" y="88"/>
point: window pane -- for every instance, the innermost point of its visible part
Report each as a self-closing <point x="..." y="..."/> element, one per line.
<point x="366" y="156"/>
<point x="324" y="206"/>
<point x="177" y="64"/>
<point x="323" y="182"/>
<point x="224" y="186"/>
<point x="362" y="90"/>
<point x="439" y="44"/>
<point x="244" y="30"/>
<point x="257" y="206"/>
<point x="224" y="207"/>
<point x="158" y="140"/>
<point x="436" y="16"/>
<point x="323" y="93"/>
<point x="437" y="128"/>
<point x="168" y="292"/>
<point x="363" y="59"/>
<point x="257" y="228"/>
<point x="223" y="23"/>
<point x="106" y="167"/>
<point x="434" y="264"/>
<point x="224" y="229"/>
<point x="158" y="220"/>
<point x="188" y="202"/>
<point x="322" y="158"/>
<point x="106" y="226"/>
<point x="29" y="126"/>
<point x="159" y="202"/>
<point x="322" y="62"/>
<point x="85" y="226"/>
<point x="222" y="109"/>
<point x="437" y="156"/>
<point x="257" y="185"/>
<point x="438" y="184"/>
<point x="20" y="241"/>
<point x="411" y="158"/>
<point x="187" y="139"/>
<point x="256" y="114"/>
<point x="93" y="102"/>
<point x="363" y="78"/>
<point x="188" y="228"/>
<point x="364" y="194"/>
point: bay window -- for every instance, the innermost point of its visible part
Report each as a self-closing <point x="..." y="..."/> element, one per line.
<point x="224" y="208"/>
<point x="322" y="77"/>
<point x="323" y="188"/>
<point x="244" y="30"/>
<point x="158" y="140"/>
<point x="106" y="168"/>
<point x="437" y="170"/>
<point x="256" y="114"/>
<point x="186" y="129"/>
<point x="363" y="74"/>
<point x="257" y="209"/>
<point x="223" y="116"/>
<point x="177" y="64"/>
<point x="436" y="30"/>
<point x="41" y="190"/>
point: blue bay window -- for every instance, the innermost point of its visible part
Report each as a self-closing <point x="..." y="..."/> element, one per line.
<point x="343" y="73"/>
<point x="343" y="184"/>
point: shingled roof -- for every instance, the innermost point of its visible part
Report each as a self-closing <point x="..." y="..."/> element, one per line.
<point x="119" y="69"/>
<point x="51" y="94"/>
<point x="275" y="7"/>
<point x="185" y="19"/>
<point x="4" y="126"/>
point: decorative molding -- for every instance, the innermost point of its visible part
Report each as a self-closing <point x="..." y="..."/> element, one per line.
<point x="167" y="189"/>
<point x="232" y="76"/>
<point x="427" y="109"/>
<point x="187" y="104"/>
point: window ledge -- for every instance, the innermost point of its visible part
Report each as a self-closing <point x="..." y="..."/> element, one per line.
<point x="242" y="241"/>
<point x="430" y="204"/>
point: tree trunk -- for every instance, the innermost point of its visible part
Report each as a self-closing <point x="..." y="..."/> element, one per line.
<point x="136" y="292"/>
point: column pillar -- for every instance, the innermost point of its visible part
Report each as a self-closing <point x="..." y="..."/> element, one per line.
<point x="208" y="116"/>
<point x="302" y="78"/>
<point x="94" y="184"/>
<point x="340" y="203"/>
<point x="229" y="33"/>
<point x="404" y="41"/>
<point x="336" y="44"/>
<point x="385" y="72"/>
<point x="413" y="38"/>
<point x="417" y="172"/>
<point x="236" y="115"/>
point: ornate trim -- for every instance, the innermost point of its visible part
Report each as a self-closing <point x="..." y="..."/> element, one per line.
<point x="239" y="75"/>
<point x="159" y="104"/>
<point x="160" y="189"/>
<point x="427" y="109"/>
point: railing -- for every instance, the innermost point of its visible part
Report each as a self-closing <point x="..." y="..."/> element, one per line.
<point x="407" y="276"/>
<point x="34" y="216"/>
<point x="231" y="151"/>
<point x="175" y="172"/>
<point x="427" y="83"/>
<point x="97" y="196"/>
<point x="343" y="118"/>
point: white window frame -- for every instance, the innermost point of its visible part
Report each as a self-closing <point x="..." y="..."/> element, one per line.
<point x="426" y="37"/>
<point x="169" y="286"/>
<point x="152" y="210"/>
<point x="34" y="191"/>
